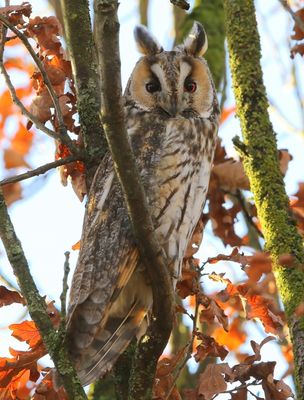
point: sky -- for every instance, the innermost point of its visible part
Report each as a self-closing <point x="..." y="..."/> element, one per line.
<point x="48" y="221"/>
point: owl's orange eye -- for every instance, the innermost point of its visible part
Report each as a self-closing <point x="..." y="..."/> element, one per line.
<point x="190" y="86"/>
<point x="153" y="86"/>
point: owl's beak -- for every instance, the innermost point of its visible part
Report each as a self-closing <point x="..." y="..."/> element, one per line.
<point x="170" y="107"/>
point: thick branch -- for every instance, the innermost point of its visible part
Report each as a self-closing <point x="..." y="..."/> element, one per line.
<point x="38" y="171"/>
<point x="37" y="306"/>
<point x="107" y="29"/>
<point x="261" y="164"/>
<point x="85" y="68"/>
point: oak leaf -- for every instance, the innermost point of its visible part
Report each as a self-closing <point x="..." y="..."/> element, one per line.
<point x="212" y="380"/>
<point x="8" y="297"/>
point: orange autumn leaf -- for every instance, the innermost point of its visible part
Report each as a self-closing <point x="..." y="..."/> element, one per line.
<point x="12" y="192"/>
<point x="76" y="246"/>
<point x="233" y="338"/>
<point x="26" y="331"/>
<point x="226" y="113"/>
<point x="13" y="159"/>
<point x="22" y="141"/>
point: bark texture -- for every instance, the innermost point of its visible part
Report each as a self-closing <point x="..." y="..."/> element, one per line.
<point x="153" y="343"/>
<point x="77" y="24"/>
<point x="260" y="158"/>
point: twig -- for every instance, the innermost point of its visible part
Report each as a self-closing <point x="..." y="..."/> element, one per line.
<point x="62" y="128"/>
<point x="65" y="287"/>
<point x="294" y="16"/>
<point x="189" y="347"/>
<point x="39" y="170"/>
<point x="183" y="4"/>
<point x="243" y="386"/>
<point x="13" y="93"/>
<point x="149" y="350"/>
<point x="36" y="305"/>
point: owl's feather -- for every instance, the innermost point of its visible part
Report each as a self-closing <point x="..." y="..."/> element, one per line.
<point x="172" y="130"/>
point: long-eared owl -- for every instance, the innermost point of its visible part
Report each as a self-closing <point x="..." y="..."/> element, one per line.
<point x="172" y="121"/>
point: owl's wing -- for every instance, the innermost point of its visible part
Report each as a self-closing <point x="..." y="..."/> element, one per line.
<point x="108" y="257"/>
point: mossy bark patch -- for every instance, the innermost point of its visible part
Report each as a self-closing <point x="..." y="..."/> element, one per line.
<point x="260" y="158"/>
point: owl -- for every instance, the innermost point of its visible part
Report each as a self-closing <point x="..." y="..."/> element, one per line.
<point x="172" y="115"/>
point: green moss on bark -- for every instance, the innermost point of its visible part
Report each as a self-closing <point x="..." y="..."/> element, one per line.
<point x="262" y="166"/>
<point x="82" y="49"/>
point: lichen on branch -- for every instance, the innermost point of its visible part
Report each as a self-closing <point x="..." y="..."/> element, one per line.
<point x="260" y="158"/>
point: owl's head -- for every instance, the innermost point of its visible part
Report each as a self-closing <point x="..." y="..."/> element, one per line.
<point x="178" y="82"/>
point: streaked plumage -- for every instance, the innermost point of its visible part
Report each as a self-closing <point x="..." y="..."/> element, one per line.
<point x="172" y="120"/>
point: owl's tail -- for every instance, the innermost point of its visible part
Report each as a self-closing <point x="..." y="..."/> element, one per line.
<point x="124" y="321"/>
<point x="109" y="343"/>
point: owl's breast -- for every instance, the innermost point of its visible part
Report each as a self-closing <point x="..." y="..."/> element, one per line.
<point x="179" y="185"/>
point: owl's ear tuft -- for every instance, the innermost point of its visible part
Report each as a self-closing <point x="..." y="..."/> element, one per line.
<point x="146" y="43"/>
<point x="196" y="43"/>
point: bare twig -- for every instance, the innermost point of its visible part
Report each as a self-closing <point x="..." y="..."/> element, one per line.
<point x="39" y="170"/>
<point x="189" y="347"/>
<point x="24" y="111"/>
<point x="294" y="16"/>
<point x="183" y="4"/>
<point x="65" y="287"/>
<point x="62" y="128"/>
<point x="242" y="386"/>
<point x="149" y="350"/>
<point x="15" y="98"/>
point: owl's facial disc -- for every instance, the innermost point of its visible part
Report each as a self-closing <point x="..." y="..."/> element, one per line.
<point x="173" y="82"/>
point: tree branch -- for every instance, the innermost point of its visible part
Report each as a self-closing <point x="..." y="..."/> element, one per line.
<point x="39" y="170"/>
<point x="261" y="163"/>
<point x="107" y="29"/>
<point x="24" y="111"/>
<point x="37" y="307"/>
<point x="78" y="30"/>
<point x="62" y="128"/>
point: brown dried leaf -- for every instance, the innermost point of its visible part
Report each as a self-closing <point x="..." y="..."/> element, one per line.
<point x="298" y="33"/>
<point x="212" y="380"/>
<point x="240" y="394"/>
<point x="257" y="350"/>
<point x="12" y="192"/>
<point x="8" y="297"/>
<point x="235" y="256"/>
<point x="231" y="176"/>
<point x="212" y="311"/>
<point x="208" y="347"/>
<point x="188" y="285"/>
<point x="275" y="389"/>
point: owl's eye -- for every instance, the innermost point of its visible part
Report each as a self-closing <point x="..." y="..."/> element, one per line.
<point x="153" y="86"/>
<point x="189" y="86"/>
